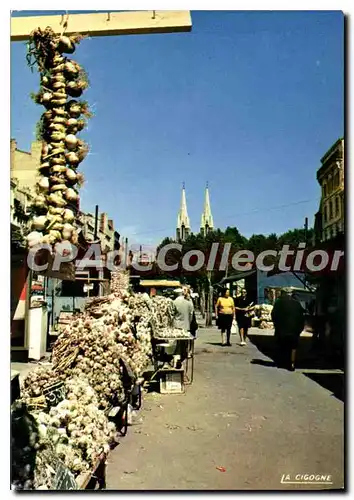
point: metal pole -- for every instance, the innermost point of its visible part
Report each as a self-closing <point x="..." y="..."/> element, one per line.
<point x="209" y="312"/>
<point x="306" y="227"/>
<point x="96" y="223"/>
<point x="126" y="253"/>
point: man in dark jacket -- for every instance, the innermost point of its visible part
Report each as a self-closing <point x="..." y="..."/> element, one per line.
<point x="288" y="319"/>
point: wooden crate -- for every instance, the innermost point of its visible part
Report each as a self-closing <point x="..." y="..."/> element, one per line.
<point x="172" y="381"/>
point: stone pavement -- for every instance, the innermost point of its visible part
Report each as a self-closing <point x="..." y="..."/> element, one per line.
<point x="254" y="420"/>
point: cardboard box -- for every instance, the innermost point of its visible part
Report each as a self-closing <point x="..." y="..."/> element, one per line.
<point x="172" y="381"/>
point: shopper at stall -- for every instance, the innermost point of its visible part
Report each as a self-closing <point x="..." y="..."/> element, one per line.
<point x="244" y="308"/>
<point x="184" y="310"/>
<point x="225" y="314"/>
<point x="288" y="319"/>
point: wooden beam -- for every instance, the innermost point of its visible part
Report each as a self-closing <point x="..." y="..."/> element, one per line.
<point x="105" y="24"/>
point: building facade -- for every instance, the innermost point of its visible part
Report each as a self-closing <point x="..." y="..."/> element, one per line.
<point x="24" y="165"/>
<point x="108" y="237"/>
<point x="329" y="221"/>
<point x="20" y="201"/>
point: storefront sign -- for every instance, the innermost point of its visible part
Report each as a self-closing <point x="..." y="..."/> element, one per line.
<point x="65" y="318"/>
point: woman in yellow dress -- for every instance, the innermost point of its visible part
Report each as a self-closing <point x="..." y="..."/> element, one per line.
<point x="225" y="314"/>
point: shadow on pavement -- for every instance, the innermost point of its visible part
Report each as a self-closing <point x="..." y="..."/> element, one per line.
<point x="263" y="362"/>
<point x="333" y="382"/>
<point x="305" y="358"/>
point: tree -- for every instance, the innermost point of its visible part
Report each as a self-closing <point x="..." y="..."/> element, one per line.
<point x="257" y="243"/>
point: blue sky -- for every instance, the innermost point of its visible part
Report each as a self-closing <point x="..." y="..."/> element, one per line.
<point x="248" y="101"/>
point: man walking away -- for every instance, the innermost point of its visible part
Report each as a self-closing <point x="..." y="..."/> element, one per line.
<point x="288" y="319"/>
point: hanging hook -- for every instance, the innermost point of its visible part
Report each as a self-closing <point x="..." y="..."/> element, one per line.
<point x="108" y="16"/>
<point x="153" y="14"/>
<point x="64" y="23"/>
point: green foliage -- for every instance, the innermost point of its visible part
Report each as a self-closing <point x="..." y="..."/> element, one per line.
<point x="19" y="213"/>
<point x="257" y="243"/>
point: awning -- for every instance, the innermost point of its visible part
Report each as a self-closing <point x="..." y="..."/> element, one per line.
<point x="237" y="277"/>
<point x="160" y="283"/>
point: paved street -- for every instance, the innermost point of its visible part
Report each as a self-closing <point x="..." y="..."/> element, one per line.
<point x="256" y="421"/>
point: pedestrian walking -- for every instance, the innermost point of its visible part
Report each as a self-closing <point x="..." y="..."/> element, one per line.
<point x="244" y="308"/>
<point x="288" y="319"/>
<point x="225" y="314"/>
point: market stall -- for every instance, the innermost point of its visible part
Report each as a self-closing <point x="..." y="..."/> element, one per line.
<point x="79" y="404"/>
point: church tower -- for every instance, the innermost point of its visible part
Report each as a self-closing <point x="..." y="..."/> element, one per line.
<point x="183" y="225"/>
<point x="207" y="223"/>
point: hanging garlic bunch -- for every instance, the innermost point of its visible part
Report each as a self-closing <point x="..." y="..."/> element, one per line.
<point x="62" y="151"/>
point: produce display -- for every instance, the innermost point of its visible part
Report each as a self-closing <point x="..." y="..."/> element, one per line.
<point x="76" y="428"/>
<point x="87" y="359"/>
<point x="173" y="333"/>
<point x="62" y="81"/>
<point x="164" y="312"/>
<point x="263" y="316"/>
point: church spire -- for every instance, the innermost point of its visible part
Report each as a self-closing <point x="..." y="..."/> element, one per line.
<point x="183" y="225"/>
<point x="207" y="223"/>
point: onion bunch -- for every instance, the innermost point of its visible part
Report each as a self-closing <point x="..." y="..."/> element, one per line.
<point x="62" y="82"/>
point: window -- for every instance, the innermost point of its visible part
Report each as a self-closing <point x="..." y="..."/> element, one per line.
<point x="337" y="206"/>
<point x="336" y="180"/>
<point x="325" y="189"/>
<point x="325" y="213"/>
<point x="330" y="209"/>
<point x="330" y="185"/>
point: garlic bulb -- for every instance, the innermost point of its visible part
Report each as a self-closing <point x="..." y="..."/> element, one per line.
<point x="71" y="194"/>
<point x="34" y="238"/>
<point x="70" y="174"/>
<point x="43" y="183"/>
<point x="57" y="200"/>
<point x="39" y="222"/>
<point x="71" y="141"/>
<point x="68" y="215"/>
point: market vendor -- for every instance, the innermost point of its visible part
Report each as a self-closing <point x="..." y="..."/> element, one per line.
<point x="184" y="310"/>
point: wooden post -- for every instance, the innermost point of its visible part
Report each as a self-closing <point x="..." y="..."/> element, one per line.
<point x="104" y="24"/>
<point x="209" y="305"/>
